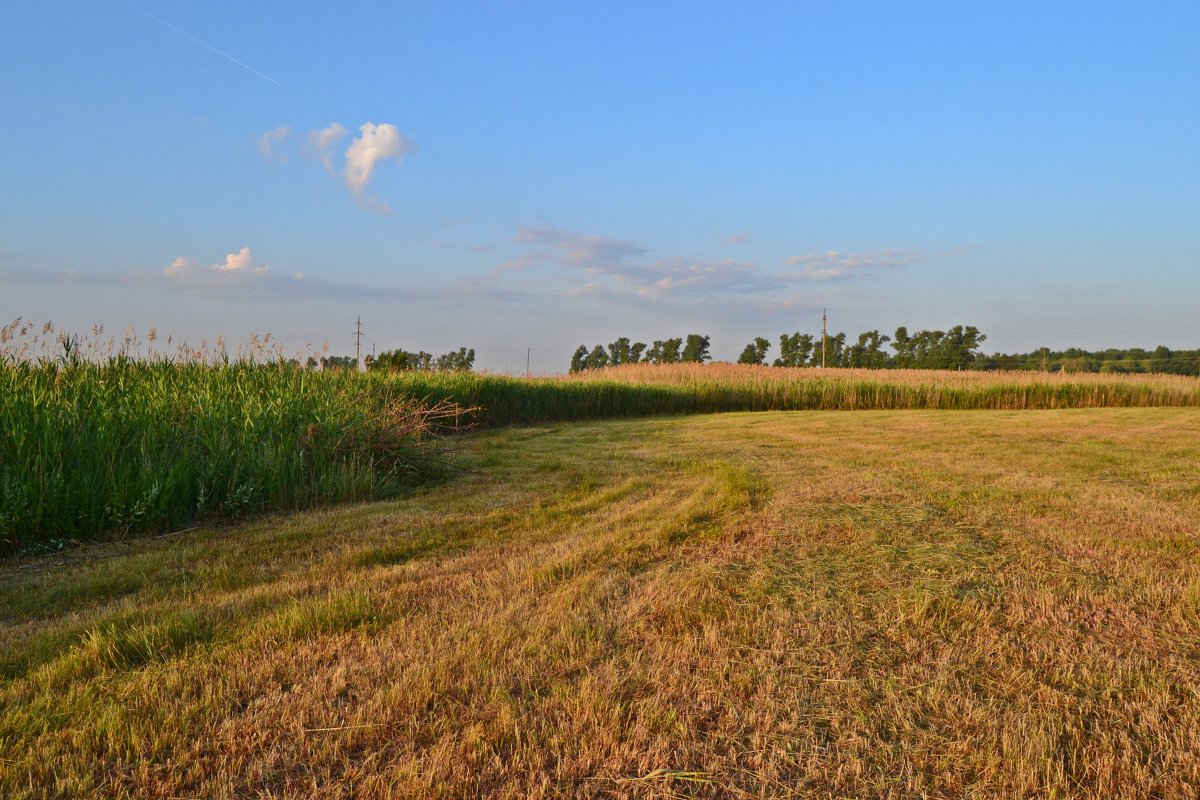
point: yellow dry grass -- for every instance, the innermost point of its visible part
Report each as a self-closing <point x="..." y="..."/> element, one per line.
<point x="812" y="604"/>
<point x="1080" y="387"/>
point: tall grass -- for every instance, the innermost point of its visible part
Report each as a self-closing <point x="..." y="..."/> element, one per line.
<point x="643" y="390"/>
<point x="88" y="449"/>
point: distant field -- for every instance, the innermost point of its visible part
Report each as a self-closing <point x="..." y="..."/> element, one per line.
<point x="811" y="604"/>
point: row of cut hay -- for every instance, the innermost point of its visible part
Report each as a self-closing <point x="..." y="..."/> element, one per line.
<point x="88" y="449"/>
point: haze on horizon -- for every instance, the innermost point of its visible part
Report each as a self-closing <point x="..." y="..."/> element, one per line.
<point x="541" y="175"/>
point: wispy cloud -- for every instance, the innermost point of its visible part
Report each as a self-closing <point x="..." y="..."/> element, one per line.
<point x="267" y="142"/>
<point x="589" y="265"/>
<point x="564" y="263"/>
<point x="374" y="144"/>
<point x="739" y="238"/>
<point x="583" y="251"/>
<point x="833" y="265"/>
<point x="319" y="143"/>
<point x="237" y="275"/>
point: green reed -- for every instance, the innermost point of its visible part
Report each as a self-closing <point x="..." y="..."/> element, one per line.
<point x="126" y="446"/>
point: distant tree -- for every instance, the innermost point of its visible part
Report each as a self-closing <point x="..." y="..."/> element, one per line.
<point x="597" y="359"/>
<point x="794" y="349"/>
<point x="664" y="351"/>
<point x="579" y="360"/>
<point x="960" y="346"/>
<point x="835" y="351"/>
<point x="696" y="349"/>
<point x="618" y="352"/>
<point x="755" y="352"/>
<point x="903" y="345"/>
<point x="334" y="362"/>
<point x="460" y="360"/>
<point x="957" y="348"/>
<point x="400" y="360"/>
<point x="868" y="351"/>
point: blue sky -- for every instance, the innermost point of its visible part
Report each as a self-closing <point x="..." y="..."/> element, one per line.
<point x="541" y="175"/>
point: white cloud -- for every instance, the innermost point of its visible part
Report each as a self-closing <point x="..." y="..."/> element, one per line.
<point x="320" y="143"/>
<point x="237" y="270"/>
<point x="180" y="266"/>
<point x="267" y="142"/>
<point x="374" y="144"/>
<point x="739" y="238"/>
<point x="241" y="262"/>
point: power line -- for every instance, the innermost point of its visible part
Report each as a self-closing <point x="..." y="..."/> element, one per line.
<point x="358" y="334"/>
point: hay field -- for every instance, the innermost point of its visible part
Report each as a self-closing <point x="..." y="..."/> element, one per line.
<point x="801" y="604"/>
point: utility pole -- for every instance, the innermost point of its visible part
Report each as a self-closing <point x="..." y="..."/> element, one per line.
<point x="527" y="352"/>
<point x="358" y="334"/>
<point x="824" y="336"/>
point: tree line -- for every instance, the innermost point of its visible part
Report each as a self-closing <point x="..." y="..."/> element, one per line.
<point x="400" y="360"/>
<point x="958" y="348"/>
<point x="623" y="351"/>
<point x="1112" y="360"/>
<point x="953" y="349"/>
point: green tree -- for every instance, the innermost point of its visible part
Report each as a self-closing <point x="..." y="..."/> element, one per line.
<point x="696" y="349"/>
<point x="835" y="351"/>
<point x="755" y="352"/>
<point x="400" y="360"/>
<point x="619" y="352"/>
<point x="868" y="351"/>
<point x="597" y="359"/>
<point x="579" y="360"/>
<point x="334" y="362"/>
<point x="460" y="360"/>
<point x="664" y="351"/>
<point x="794" y="349"/>
<point x="960" y="346"/>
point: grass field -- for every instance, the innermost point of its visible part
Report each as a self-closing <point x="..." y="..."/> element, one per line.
<point x="811" y="604"/>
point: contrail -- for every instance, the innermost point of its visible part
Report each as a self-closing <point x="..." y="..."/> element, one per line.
<point x="221" y="53"/>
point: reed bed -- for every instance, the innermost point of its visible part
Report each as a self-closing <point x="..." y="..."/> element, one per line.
<point x="91" y="449"/>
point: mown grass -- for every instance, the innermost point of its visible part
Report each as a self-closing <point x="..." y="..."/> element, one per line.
<point x="891" y="604"/>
